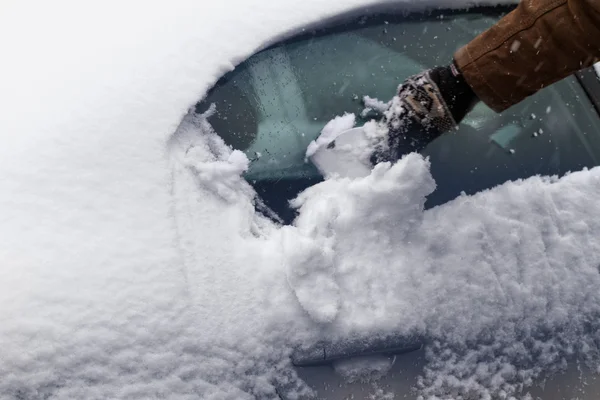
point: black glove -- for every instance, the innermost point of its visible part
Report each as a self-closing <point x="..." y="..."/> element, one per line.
<point x="455" y="90"/>
<point x="427" y="105"/>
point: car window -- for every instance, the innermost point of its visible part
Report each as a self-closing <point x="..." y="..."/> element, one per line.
<point x="272" y="105"/>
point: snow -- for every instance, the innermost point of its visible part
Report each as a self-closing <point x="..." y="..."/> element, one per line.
<point x="134" y="264"/>
<point x="311" y="274"/>
<point x="372" y="104"/>
<point x="350" y="153"/>
<point x="375" y="104"/>
<point x="366" y="368"/>
<point x="522" y="260"/>
<point x="330" y="132"/>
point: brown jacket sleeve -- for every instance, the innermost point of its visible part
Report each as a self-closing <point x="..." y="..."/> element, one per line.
<point x="537" y="44"/>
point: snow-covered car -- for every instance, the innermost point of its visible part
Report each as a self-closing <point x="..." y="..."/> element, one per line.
<point x="148" y="251"/>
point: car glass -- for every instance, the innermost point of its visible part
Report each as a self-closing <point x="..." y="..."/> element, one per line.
<point x="273" y="104"/>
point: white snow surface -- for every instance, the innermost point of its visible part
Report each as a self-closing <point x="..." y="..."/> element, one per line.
<point x="331" y="131"/>
<point x="366" y="368"/>
<point x="373" y="104"/>
<point x="134" y="265"/>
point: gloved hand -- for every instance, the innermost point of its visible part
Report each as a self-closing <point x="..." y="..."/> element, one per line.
<point x="427" y="105"/>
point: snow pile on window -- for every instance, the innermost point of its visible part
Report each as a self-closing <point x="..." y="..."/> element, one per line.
<point x="330" y="132"/>
<point x="503" y="285"/>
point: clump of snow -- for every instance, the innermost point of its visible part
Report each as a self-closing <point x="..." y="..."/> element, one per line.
<point x="390" y="193"/>
<point x="366" y="368"/>
<point x="311" y="273"/>
<point x="331" y="131"/>
<point x="375" y="104"/>
<point x="220" y="176"/>
<point x="349" y="156"/>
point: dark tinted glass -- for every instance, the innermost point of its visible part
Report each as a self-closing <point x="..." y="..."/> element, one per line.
<point x="272" y="106"/>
